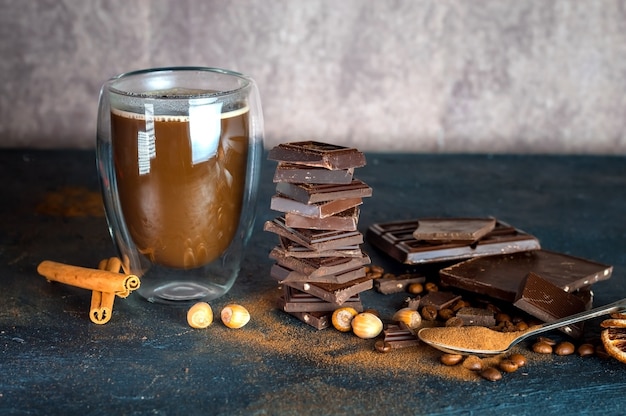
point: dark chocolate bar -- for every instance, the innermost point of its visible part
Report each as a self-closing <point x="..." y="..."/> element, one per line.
<point x="344" y="221"/>
<point x="548" y="302"/>
<point x="305" y="174"/>
<point x="396" y="239"/>
<point x="312" y="153"/>
<point x="294" y="300"/>
<point x="317" y="210"/>
<point x="320" y="266"/>
<point x="309" y="193"/>
<point x="439" y="299"/>
<point x="454" y="230"/>
<point x="501" y="276"/>
<point x="284" y="274"/>
<point x="476" y="316"/>
<point x="398" y="337"/>
<point x="314" y="239"/>
<point x="389" y="285"/>
<point x="336" y="293"/>
<point x="318" y="320"/>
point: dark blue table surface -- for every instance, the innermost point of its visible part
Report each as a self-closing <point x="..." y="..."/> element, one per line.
<point x="146" y="360"/>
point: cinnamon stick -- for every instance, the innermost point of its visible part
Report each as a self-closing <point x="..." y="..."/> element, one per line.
<point x="101" y="309"/>
<point x="86" y="278"/>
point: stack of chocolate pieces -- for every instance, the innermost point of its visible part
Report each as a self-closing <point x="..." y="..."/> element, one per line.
<point x="318" y="260"/>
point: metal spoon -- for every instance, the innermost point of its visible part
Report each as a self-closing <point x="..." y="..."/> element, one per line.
<point x="618" y="306"/>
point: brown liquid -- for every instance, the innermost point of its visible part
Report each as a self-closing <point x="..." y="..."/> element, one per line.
<point x="179" y="213"/>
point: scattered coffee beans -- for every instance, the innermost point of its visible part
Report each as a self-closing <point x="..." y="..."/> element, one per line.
<point x="491" y="374"/>
<point x="451" y="359"/>
<point x="429" y="313"/>
<point x="382" y="346"/>
<point x="508" y="366"/>
<point x="585" y="350"/>
<point x="446" y="314"/>
<point x="564" y="348"/>
<point x="415" y="288"/>
<point x="542" y="347"/>
<point x="473" y="363"/>
<point x="518" y="359"/>
<point x="548" y="341"/>
<point x="455" y="321"/>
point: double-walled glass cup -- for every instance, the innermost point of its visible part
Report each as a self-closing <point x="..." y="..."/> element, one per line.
<point x="178" y="154"/>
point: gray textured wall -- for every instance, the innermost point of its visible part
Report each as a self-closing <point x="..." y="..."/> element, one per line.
<point x="426" y="76"/>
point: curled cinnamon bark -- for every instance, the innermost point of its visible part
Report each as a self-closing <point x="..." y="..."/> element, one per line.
<point x="91" y="279"/>
<point x="101" y="309"/>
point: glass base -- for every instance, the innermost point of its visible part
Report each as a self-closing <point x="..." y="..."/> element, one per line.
<point x="181" y="292"/>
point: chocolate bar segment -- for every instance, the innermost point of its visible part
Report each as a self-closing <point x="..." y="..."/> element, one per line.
<point x="320" y="266"/>
<point x="398" y="337"/>
<point x="456" y="230"/>
<point x="305" y="174"/>
<point x="344" y="221"/>
<point x="314" y="239"/>
<point x="284" y="274"/>
<point x="318" y="320"/>
<point x="389" y="285"/>
<point x="500" y="277"/>
<point x="312" y="153"/>
<point x="294" y="249"/>
<point x="548" y="302"/>
<point x="396" y="240"/>
<point x="294" y="300"/>
<point x="336" y="293"/>
<point x="476" y="316"/>
<point x="317" y="210"/>
<point x="309" y="193"/>
<point x="439" y="299"/>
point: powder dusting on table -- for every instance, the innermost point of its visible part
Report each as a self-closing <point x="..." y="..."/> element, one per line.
<point x="272" y="332"/>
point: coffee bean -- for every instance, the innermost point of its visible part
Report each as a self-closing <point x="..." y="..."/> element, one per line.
<point x="429" y="313"/>
<point x="455" y="321"/>
<point x="601" y="352"/>
<point x="491" y="374"/>
<point x="503" y="317"/>
<point x="542" y="347"/>
<point x="451" y="359"/>
<point x="446" y="313"/>
<point x="585" y="350"/>
<point x="382" y="346"/>
<point x="376" y="269"/>
<point x="518" y="359"/>
<point x="508" y="366"/>
<point x="564" y="348"/>
<point x="548" y="341"/>
<point x="473" y="363"/>
<point x="415" y="288"/>
<point x="492" y="308"/>
<point x="460" y="304"/>
<point x="521" y="326"/>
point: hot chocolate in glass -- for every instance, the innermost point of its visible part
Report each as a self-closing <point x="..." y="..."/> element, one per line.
<point x="178" y="154"/>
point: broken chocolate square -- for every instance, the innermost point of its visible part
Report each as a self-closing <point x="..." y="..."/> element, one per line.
<point x="312" y="153"/>
<point x="453" y="230"/>
<point x="500" y="277"/>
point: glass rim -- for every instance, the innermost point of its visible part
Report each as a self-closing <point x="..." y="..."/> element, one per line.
<point x="171" y="69"/>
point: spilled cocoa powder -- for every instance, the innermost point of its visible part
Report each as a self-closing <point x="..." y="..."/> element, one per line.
<point x="271" y="331"/>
